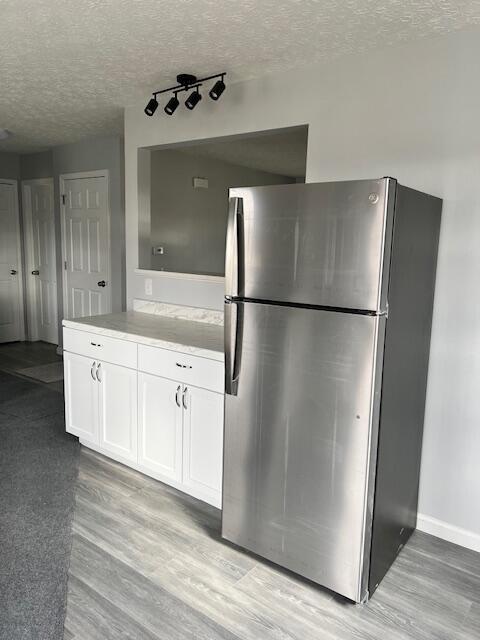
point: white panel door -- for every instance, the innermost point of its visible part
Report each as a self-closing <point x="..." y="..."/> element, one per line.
<point x="11" y="303"/>
<point x="41" y="272"/>
<point x="118" y="409"/>
<point x="160" y="426"/>
<point x="86" y="247"/>
<point x="203" y="443"/>
<point x="81" y="396"/>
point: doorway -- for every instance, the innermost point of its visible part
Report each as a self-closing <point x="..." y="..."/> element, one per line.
<point x="85" y="216"/>
<point x="40" y="260"/>
<point x="12" y="325"/>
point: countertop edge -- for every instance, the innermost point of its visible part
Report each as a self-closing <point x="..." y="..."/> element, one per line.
<point x="152" y="342"/>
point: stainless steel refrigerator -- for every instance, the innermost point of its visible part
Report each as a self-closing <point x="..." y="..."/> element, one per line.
<point x="329" y="296"/>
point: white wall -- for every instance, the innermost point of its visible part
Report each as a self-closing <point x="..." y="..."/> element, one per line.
<point x="410" y="112"/>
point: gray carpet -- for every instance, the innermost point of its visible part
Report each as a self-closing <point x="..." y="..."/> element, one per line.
<point x="38" y="471"/>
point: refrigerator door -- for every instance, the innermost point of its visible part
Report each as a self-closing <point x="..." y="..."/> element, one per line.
<point x="322" y="244"/>
<point x="299" y="427"/>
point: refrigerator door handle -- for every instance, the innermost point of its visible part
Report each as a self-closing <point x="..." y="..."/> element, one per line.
<point x="232" y="260"/>
<point x="233" y="345"/>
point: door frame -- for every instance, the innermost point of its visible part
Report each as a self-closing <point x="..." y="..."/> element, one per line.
<point x="75" y="176"/>
<point x="31" y="301"/>
<point x="20" y="270"/>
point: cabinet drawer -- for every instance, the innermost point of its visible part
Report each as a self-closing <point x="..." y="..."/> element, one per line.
<point x="200" y="372"/>
<point x="98" y="347"/>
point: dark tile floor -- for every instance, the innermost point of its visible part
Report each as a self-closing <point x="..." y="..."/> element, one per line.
<point x="15" y="356"/>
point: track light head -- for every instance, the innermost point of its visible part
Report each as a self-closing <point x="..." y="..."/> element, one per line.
<point x="193" y="99"/>
<point x="171" y="105"/>
<point x="217" y="90"/>
<point x="151" y="107"/>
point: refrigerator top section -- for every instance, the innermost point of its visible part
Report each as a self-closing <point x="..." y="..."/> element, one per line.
<point x="325" y="244"/>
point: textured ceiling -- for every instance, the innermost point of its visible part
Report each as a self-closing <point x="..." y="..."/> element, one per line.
<point x="284" y="153"/>
<point x="69" y="66"/>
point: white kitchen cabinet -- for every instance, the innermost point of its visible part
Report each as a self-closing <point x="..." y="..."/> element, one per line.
<point x="101" y="404"/>
<point x="154" y="409"/>
<point x="117" y="409"/>
<point x="180" y="433"/>
<point x="203" y="442"/>
<point x="160" y="426"/>
<point x="81" y="396"/>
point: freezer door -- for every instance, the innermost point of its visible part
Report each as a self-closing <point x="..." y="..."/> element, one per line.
<point x="319" y="244"/>
<point x="298" y="438"/>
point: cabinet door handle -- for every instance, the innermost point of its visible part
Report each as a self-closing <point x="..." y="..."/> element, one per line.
<point x="184" y="397"/>
<point x="176" y="395"/>
<point x="184" y="366"/>
<point x="97" y="371"/>
<point x="91" y="371"/>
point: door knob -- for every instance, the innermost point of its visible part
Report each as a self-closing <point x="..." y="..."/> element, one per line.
<point x="35" y="272"/>
<point x="13" y="272"/>
<point x="102" y="283"/>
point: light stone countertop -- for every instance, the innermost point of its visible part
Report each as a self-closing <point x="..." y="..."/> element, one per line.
<point x="185" y="336"/>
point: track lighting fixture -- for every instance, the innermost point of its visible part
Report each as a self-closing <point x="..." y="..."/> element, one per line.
<point x="171" y="105"/>
<point x="193" y="99"/>
<point x="186" y="82"/>
<point x="217" y="89"/>
<point x="151" y="107"/>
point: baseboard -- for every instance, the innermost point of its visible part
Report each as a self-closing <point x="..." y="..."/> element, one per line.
<point x="449" y="532"/>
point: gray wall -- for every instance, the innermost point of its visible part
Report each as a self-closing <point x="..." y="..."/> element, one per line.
<point x="415" y="118"/>
<point x="190" y="224"/>
<point x="9" y="166"/>
<point x="92" y="155"/>
<point x="34" y="166"/>
<point x="87" y="155"/>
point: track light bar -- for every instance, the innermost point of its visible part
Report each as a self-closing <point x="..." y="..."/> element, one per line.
<point x="187" y="82"/>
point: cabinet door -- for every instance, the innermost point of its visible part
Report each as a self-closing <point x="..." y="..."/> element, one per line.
<point x="81" y="397"/>
<point x="118" y="409"/>
<point x="160" y="426"/>
<point x="203" y="443"/>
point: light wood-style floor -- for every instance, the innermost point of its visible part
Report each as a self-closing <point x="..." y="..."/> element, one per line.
<point x="148" y="563"/>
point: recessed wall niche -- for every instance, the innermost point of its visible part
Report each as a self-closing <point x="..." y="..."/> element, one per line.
<point x="183" y="194"/>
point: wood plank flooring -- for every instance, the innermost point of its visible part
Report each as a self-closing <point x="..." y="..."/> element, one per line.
<point x="148" y="563"/>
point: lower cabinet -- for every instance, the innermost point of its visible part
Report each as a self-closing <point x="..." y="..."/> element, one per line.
<point x="118" y="410"/>
<point x="81" y="396"/>
<point x="171" y="430"/>
<point x="181" y="435"/>
<point x="160" y="426"/>
<point x="101" y="404"/>
<point x="202" y="441"/>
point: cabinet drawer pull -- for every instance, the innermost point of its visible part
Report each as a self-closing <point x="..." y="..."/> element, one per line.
<point x="97" y="371"/>
<point x="176" y="395"/>
<point x="184" y="399"/>
<point x="95" y="344"/>
<point x="91" y="371"/>
<point x="184" y="366"/>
